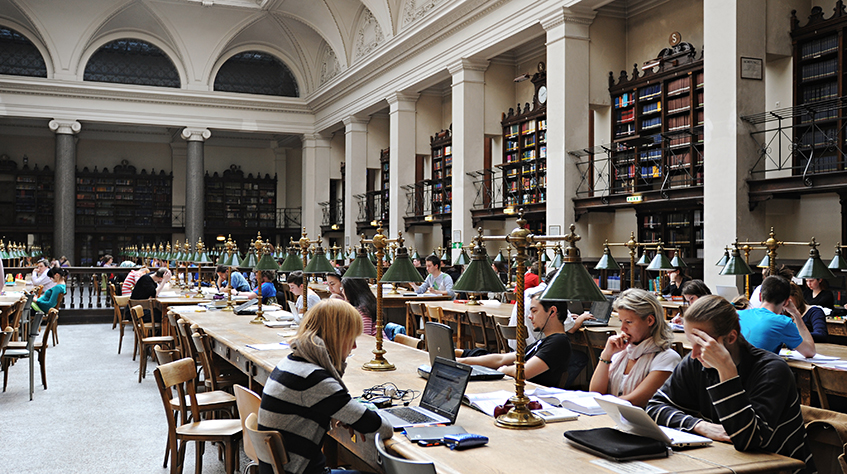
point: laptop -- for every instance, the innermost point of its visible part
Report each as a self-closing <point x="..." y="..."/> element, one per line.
<point x="439" y="338"/>
<point x="728" y="292"/>
<point x="245" y="309"/>
<point x="602" y="311"/>
<point x="441" y="398"/>
<point x="632" y="419"/>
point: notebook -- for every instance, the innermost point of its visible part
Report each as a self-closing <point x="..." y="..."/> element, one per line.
<point x="632" y="419"/>
<point x="245" y="309"/>
<point x="441" y="398"/>
<point x="439" y="338"/>
<point x="602" y="311"/>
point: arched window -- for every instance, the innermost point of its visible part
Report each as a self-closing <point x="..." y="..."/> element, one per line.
<point x="131" y="61"/>
<point x="18" y="56"/>
<point x="254" y="72"/>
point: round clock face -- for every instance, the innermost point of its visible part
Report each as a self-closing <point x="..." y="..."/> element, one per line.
<point x="542" y="94"/>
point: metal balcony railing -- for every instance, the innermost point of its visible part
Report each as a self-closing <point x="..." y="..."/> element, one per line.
<point x="418" y="199"/>
<point x="488" y="184"/>
<point x="288" y="218"/>
<point x="178" y="216"/>
<point x="371" y="207"/>
<point x="333" y="212"/>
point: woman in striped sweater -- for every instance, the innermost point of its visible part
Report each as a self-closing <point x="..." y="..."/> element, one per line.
<point x="305" y="393"/>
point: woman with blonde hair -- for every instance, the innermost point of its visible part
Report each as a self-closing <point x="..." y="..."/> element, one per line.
<point x="636" y="362"/>
<point x="305" y="393"/>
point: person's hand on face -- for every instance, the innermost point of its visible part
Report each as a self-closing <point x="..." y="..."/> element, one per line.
<point x="711" y="353"/>
<point x="614" y="345"/>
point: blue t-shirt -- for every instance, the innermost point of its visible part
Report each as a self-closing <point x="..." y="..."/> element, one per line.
<point x="240" y="283"/>
<point x="767" y="330"/>
<point x="268" y="291"/>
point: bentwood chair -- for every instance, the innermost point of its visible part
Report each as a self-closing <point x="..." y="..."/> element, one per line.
<point x="595" y="341"/>
<point x="415" y="317"/>
<point x="248" y="402"/>
<point x="479" y="322"/>
<point x="397" y="465"/>
<point x="181" y="375"/>
<point x="10" y="355"/>
<point x="267" y="444"/>
<point x="409" y="341"/>
<point x="40" y="346"/>
<point x="145" y="342"/>
<point x="829" y="382"/>
<point x="218" y="376"/>
<point x="54" y="327"/>
<point x="120" y="306"/>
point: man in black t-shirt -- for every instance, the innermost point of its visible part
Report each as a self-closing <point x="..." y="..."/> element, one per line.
<point x="148" y="286"/>
<point x="546" y="359"/>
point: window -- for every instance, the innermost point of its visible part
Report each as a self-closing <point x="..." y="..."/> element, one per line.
<point x="131" y="61"/>
<point x="18" y="56"/>
<point x="254" y="72"/>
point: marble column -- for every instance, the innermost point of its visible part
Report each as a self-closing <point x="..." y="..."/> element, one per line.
<point x="402" y="160"/>
<point x="567" y="111"/>
<point x="355" y="172"/>
<point x="732" y="29"/>
<point x="468" y="140"/>
<point x="194" y="172"/>
<point x="315" y="181"/>
<point x="64" y="205"/>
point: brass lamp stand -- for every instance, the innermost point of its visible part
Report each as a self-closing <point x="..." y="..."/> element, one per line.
<point x="266" y="263"/>
<point x="304" y="243"/>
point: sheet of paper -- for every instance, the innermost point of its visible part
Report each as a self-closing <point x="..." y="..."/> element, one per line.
<point x="798" y="356"/>
<point x="628" y="467"/>
<point x="269" y="347"/>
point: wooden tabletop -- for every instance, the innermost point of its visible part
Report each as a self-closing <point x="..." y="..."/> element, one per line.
<point x="492" y="308"/>
<point x="507" y="451"/>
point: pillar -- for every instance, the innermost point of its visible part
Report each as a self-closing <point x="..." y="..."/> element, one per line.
<point x="315" y="181"/>
<point x="401" y="110"/>
<point x="281" y="169"/>
<point x="355" y="172"/>
<point x="194" y="173"/>
<point x="731" y="29"/>
<point x="64" y="204"/>
<point x="468" y="140"/>
<point x="567" y="111"/>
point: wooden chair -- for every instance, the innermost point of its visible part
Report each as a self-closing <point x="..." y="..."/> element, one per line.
<point x="120" y="304"/>
<point x="829" y="382"/>
<point x="117" y="316"/>
<point x="248" y="402"/>
<point x="148" y="305"/>
<point x="171" y="320"/>
<point x="267" y="444"/>
<point x="502" y="345"/>
<point x="54" y="327"/>
<point x="480" y="320"/>
<point x="10" y="355"/>
<point x="145" y="342"/>
<point x="15" y="315"/>
<point x="40" y="346"/>
<point x="397" y="465"/>
<point x="181" y="375"/>
<point x="409" y="341"/>
<point x="434" y="314"/>
<point x="506" y="333"/>
<point x="595" y="341"/>
<point x="217" y="376"/>
<point x="826" y="435"/>
<point x="414" y="316"/>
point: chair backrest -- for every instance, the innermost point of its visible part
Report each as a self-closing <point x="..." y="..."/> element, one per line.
<point x="180" y="375"/>
<point x="478" y="319"/>
<point x="416" y="309"/>
<point x="185" y="338"/>
<point x="145" y="304"/>
<point x="829" y="382"/>
<point x="248" y="402"/>
<point x="5" y="337"/>
<point x="60" y="300"/>
<point x="137" y="313"/>
<point x="396" y="465"/>
<point x="52" y="316"/>
<point x="16" y="312"/>
<point x="408" y="341"/>
<point x="507" y="332"/>
<point x="112" y="292"/>
<point x="204" y="351"/>
<point x="435" y="314"/>
<point x="165" y="356"/>
<point x="501" y="320"/>
<point x="268" y="444"/>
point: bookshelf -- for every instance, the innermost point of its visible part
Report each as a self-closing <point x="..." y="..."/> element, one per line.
<point x="441" y="184"/>
<point x="384" y="159"/>
<point x="677" y="228"/>
<point x="525" y="148"/>
<point x="236" y="201"/>
<point x="123" y="198"/>
<point x="34" y="197"/>
<point x="819" y="74"/>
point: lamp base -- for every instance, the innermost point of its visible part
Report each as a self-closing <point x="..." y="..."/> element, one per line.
<point x="522" y="419"/>
<point x="259" y="319"/>
<point x="379" y="365"/>
<point x="229" y="308"/>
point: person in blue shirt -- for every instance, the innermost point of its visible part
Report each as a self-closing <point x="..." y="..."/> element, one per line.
<point x="267" y="278"/>
<point x="50" y="298"/>
<point x="768" y="328"/>
<point x="436" y="282"/>
<point x="236" y="281"/>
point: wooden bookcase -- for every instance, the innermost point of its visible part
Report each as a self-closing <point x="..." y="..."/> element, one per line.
<point x="123" y="198"/>
<point x="682" y="228"/>
<point x="233" y="201"/>
<point x="384" y="180"/>
<point x="441" y="184"/>
<point x="819" y="73"/>
<point x="525" y="148"/>
<point x="34" y="197"/>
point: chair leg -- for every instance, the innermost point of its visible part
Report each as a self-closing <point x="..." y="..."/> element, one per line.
<point x="198" y="456"/>
<point x="142" y="362"/>
<point x="55" y="329"/>
<point x="177" y="464"/>
<point x="121" y="340"/>
<point x="229" y="457"/>
<point x="5" y="365"/>
<point x="42" y="361"/>
<point x="32" y="373"/>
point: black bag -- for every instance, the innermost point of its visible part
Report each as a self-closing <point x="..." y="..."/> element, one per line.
<point x="616" y="445"/>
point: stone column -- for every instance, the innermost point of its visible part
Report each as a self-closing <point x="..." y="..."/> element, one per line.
<point x="64" y="204"/>
<point x="567" y="110"/>
<point x="468" y="140"/>
<point x="731" y="29"/>
<point x="315" y="181"/>
<point x="355" y="172"/>
<point x="194" y="171"/>
<point x="402" y="161"/>
<point x="281" y="168"/>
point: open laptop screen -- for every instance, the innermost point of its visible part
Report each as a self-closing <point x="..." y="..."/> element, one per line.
<point x="445" y="388"/>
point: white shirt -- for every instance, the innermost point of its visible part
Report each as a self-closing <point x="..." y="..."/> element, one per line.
<point x="313" y="300"/>
<point x="513" y="320"/>
<point x="43" y="280"/>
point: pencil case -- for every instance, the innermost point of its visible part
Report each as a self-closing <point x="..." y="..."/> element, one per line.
<point x="464" y="440"/>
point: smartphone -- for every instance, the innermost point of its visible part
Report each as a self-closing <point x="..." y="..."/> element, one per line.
<point x="427" y="442"/>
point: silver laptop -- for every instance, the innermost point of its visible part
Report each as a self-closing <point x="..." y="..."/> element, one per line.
<point x="728" y="292"/>
<point x="441" y="398"/>
<point x="632" y="419"/>
<point x="439" y="339"/>
<point x="602" y="312"/>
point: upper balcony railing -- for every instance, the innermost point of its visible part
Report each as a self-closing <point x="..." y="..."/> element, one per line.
<point x="333" y="212"/>
<point x="488" y="184"/>
<point x="418" y="199"/>
<point x="371" y="207"/>
<point x="288" y="217"/>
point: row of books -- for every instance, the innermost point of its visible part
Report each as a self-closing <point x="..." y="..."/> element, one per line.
<point x="818" y="47"/>
<point x="823" y="164"/>
<point x="651" y="107"/>
<point x="624" y="130"/>
<point x="627" y="115"/>
<point x="679" y="160"/>
<point x="649" y="123"/>
<point x="654" y="171"/>
<point x="527" y="127"/>
<point x="819" y="70"/>
<point x="819" y="138"/>
<point x="653" y="154"/>
<point x="679" y="104"/>
<point x="817" y="92"/>
<point x="679" y="122"/>
<point x="650" y="91"/>
<point x="678" y="86"/>
<point x="624" y="100"/>
<point x="679" y="219"/>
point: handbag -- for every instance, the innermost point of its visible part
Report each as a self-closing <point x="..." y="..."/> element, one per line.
<point x="616" y="445"/>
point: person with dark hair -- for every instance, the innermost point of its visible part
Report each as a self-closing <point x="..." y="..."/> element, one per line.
<point x="756" y="296"/>
<point x="236" y="280"/>
<point x="546" y="359"/>
<point x="436" y="282"/>
<point x="812" y="316"/>
<point x="39" y="275"/>
<point x="816" y="292"/>
<point x="295" y="283"/>
<point x="675" y="282"/>
<point x="266" y="277"/>
<point x="50" y="298"/>
<point x="335" y="287"/>
<point x="356" y="292"/>
<point x="728" y="390"/>
<point x="768" y="328"/>
<point x="691" y="291"/>
<point x="149" y="286"/>
<point x="530" y="278"/>
<point x="502" y="271"/>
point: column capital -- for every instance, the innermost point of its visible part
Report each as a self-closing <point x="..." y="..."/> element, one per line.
<point x="65" y="127"/>
<point x="355" y="123"/>
<point x="575" y="22"/>
<point x="311" y="140"/>
<point x="400" y="102"/>
<point x="467" y="64"/>
<point x="195" y="134"/>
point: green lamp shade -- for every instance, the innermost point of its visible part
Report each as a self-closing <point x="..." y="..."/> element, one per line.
<point x="267" y="262"/>
<point x="249" y="261"/>
<point x="558" y="260"/>
<point x="292" y="262"/>
<point x="500" y="257"/>
<point x="228" y="260"/>
<point x="814" y="266"/>
<point x="202" y="258"/>
<point x="361" y="266"/>
<point x="351" y="254"/>
<point x="642" y="262"/>
<point x="660" y="262"/>
<point x="723" y="259"/>
<point x="545" y="257"/>
<point x="572" y="283"/>
<point x="445" y="258"/>
<point x="838" y="262"/>
<point x="462" y="259"/>
<point x="319" y="264"/>
<point x="479" y="277"/>
<point x="736" y="265"/>
<point x="402" y="270"/>
<point x="607" y="262"/>
<point x="765" y="263"/>
<point x="678" y="262"/>
<point x="415" y="255"/>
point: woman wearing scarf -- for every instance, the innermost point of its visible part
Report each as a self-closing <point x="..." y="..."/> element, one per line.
<point x="305" y="393"/>
<point x="636" y="362"/>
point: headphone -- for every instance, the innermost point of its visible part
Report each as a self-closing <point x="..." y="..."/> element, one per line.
<point x="391" y="391"/>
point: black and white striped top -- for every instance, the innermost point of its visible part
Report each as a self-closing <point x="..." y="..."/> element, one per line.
<point x="759" y="409"/>
<point x="300" y="400"/>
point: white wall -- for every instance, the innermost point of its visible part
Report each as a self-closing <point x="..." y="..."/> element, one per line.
<point x="607" y="53"/>
<point x="648" y="32"/>
<point x="251" y="160"/>
<point x="336" y="156"/>
<point x="39" y="150"/>
<point x="813" y="215"/>
<point x="427" y="121"/>
<point x="294" y="180"/>
<point x="499" y="95"/>
<point x="525" y="90"/>
<point x="378" y="138"/>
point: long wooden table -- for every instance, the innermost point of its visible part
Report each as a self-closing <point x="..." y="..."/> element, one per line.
<point x="507" y="451"/>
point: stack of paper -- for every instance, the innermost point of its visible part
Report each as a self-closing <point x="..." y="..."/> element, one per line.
<point x="576" y="400"/>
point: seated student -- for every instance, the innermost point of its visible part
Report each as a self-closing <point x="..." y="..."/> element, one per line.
<point x="635" y="363"/>
<point x="333" y="284"/>
<point x="756" y="297"/>
<point x="305" y="395"/>
<point x="816" y="292"/>
<point x="547" y="358"/>
<point x="50" y="298"/>
<point x="675" y="282"/>
<point x="767" y="328"/>
<point x="149" y="286"/>
<point x="267" y="278"/>
<point x="236" y="281"/>
<point x="356" y="292"/>
<point x="530" y="278"/>
<point x="295" y="283"/>
<point x="131" y="279"/>
<point x="730" y="391"/>
<point x="813" y="316"/>
<point x="436" y="282"/>
<point x="39" y="275"/>
<point x="691" y="291"/>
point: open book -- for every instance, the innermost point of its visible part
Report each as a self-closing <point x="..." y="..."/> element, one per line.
<point x="576" y="400"/>
<point x="487" y="402"/>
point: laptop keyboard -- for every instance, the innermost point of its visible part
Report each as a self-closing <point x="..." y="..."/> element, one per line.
<point x="410" y="415"/>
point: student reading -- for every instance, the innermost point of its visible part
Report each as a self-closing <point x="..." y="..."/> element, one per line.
<point x="728" y="390"/>
<point x="305" y="393"/>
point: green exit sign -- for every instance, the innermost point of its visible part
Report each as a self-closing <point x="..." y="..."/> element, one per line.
<point x="457" y="245"/>
<point x="633" y="199"/>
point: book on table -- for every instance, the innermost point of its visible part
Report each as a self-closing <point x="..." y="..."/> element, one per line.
<point x="489" y="401"/>
<point x="575" y="400"/>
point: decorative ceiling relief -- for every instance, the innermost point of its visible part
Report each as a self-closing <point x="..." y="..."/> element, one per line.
<point x="330" y="66"/>
<point x="369" y="36"/>
<point x="417" y="9"/>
